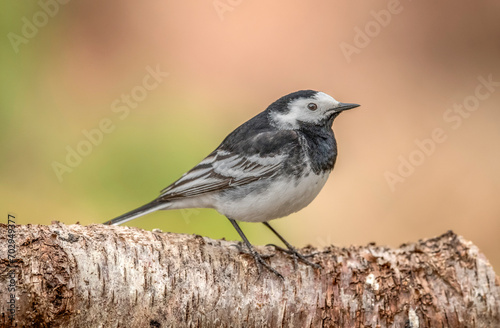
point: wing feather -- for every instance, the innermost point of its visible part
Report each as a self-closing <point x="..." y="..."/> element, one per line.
<point x="222" y="174"/>
<point x="228" y="168"/>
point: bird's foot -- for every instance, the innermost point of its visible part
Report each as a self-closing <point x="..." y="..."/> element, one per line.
<point x="259" y="260"/>
<point x="296" y="255"/>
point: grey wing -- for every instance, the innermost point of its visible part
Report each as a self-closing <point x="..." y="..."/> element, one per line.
<point x="220" y="170"/>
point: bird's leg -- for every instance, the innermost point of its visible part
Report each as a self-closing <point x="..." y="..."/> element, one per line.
<point x="257" y="257"/>
<point x="291" y="250"/>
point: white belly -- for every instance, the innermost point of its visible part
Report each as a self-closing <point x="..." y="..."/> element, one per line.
<point x="264" y="201"/>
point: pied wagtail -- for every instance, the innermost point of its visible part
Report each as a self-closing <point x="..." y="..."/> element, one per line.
<point x="271" y="166"/>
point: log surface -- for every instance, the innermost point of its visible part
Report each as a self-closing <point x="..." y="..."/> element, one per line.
<point x="107" y="276"/>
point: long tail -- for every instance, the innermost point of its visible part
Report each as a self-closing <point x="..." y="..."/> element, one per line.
<point x="140" y="211"/>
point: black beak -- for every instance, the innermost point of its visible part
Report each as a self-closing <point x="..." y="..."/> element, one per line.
<point x="344" y="106"/>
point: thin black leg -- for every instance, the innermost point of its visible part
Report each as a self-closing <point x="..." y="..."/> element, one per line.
<point x="258" y="258"/>
<point x="291" y="250"/>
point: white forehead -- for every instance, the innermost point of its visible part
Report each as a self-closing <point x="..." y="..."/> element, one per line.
<point x="326" y="100"/>
<point x="320" y="98"/>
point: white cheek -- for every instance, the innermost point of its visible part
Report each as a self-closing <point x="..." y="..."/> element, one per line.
<point x="306" y="115"/>
<point x="290" y="119"/>
<point x="310" y="116"/>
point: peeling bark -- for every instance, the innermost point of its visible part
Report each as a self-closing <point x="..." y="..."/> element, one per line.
<point x="104" y="276"/>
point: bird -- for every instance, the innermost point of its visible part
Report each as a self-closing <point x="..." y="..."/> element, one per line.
<point x="271" y="166"/>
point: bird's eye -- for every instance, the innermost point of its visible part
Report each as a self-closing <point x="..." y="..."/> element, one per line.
<point x="312" y="106"/>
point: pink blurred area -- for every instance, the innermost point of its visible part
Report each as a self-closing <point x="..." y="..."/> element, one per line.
<point x="227" y="60"/>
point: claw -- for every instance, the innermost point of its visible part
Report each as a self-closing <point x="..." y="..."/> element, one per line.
<point x="259" y="260"/>
<point x="242" y="250"/>
<point x="296" y="255"/>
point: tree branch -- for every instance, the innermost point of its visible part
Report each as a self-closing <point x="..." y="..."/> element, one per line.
<point x="77" y="276"/>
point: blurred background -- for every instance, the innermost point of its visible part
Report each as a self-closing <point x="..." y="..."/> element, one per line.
<point x="103" y="104"/>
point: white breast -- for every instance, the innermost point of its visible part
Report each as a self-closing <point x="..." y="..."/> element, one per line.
<point x="263" y="201"/>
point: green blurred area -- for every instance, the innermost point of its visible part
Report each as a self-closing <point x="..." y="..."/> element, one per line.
<point x="141" y="156"/>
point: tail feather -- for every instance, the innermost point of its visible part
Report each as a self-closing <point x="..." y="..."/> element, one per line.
<point x="140" y="211"/>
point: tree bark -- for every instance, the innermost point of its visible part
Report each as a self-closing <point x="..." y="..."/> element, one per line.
<point x="106" y="276"/>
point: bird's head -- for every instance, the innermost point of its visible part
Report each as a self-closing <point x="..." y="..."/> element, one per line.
<point x="305" y="107"/>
